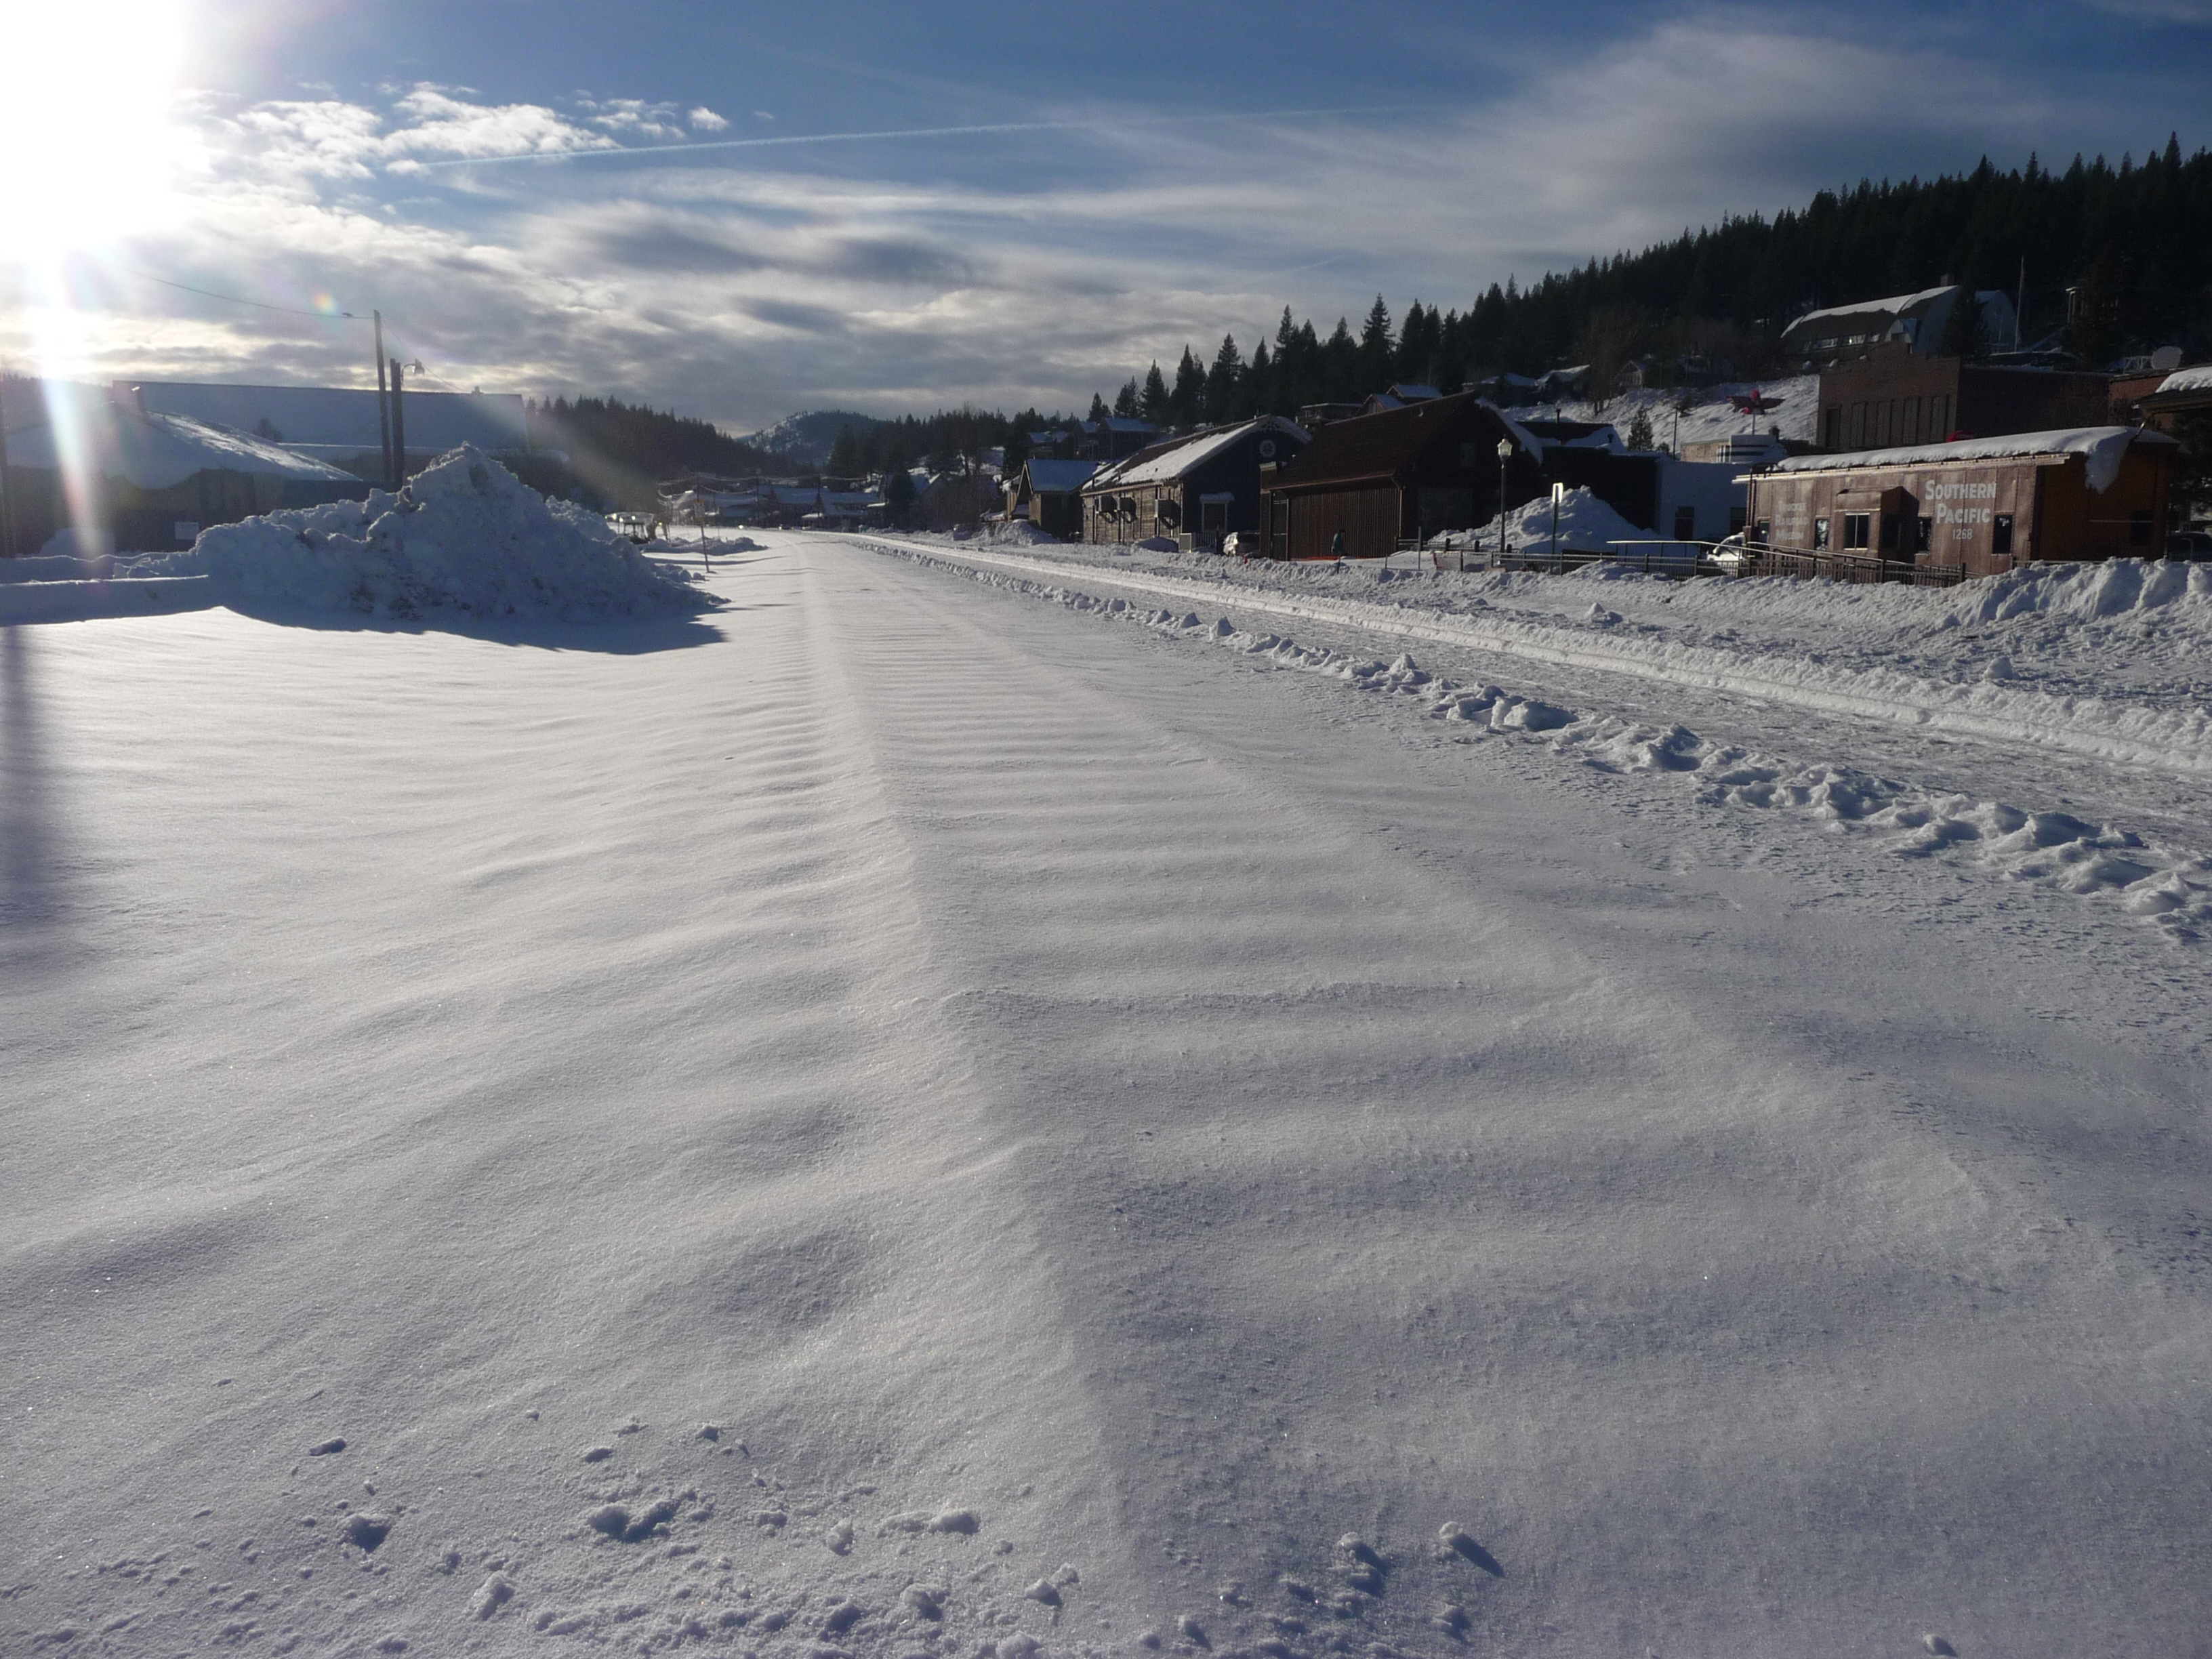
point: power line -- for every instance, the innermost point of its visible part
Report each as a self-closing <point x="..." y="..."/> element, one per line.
<point x="233" y="299"/>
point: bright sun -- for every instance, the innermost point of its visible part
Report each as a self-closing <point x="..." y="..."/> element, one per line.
<point x="86" y="122"/>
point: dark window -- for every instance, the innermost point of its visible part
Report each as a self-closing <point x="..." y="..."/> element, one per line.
<point x="1855" y="528"/>
<point x="1858" y="426"/>
<point x="1763" y="531"/>
<point x="1281" y="531"/>
<point x="2001" y="534"/>
<point x="1893" y="532"/>
<point x="1834" y="438"/>
<point x="1923" y="535"/>
<point x="1685" y="524"/>
<point x="1820" y="535"/>
<point x="2138" y="529"/>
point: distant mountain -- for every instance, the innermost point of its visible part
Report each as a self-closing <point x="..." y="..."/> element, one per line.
<point x="807" y="437"/>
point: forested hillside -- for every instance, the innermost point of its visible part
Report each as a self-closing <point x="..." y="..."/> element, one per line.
<point x="2137" y="238"/>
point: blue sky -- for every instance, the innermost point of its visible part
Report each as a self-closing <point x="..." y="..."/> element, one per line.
<point x="1155" y="174"/>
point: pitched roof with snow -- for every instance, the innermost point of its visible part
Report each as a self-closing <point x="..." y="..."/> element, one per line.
<point x="153" y="452"/>
<point x="1059" y="477"/>
<point x="318" y="418"/>
<point x="1180" y="456"/>
<point x="2196" y="378"/>
<point x="2101" y="447"/>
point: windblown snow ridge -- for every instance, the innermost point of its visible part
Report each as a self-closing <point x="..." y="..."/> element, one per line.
<point x="2169" y="887"/>
<point x="1996" y="706"/>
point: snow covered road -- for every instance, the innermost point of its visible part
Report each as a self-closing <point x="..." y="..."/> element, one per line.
<point x="1089" y="1119"/>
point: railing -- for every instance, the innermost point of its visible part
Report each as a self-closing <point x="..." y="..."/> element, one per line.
<point x="1851" y="568"/>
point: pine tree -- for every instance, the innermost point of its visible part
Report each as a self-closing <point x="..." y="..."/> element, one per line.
<point x="1125" y="401"/>
<point x="1257" y="395"/>
<point x="1378" y="350"/>
<point x="1343" y="375"/>
<point x="845" y="460"/>
<point x="1186" y="403"/>
<point x="1152" y="404"/>
<point x="1099" y="410"/>
<point x="1225" y="385"/>
<point x="1965" y="331"/>
<point x="1639" y="436"/>
<point x="898" y="496"/>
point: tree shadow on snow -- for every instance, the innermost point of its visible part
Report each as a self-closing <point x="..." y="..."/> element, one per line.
<point x="624" y="637"/>
<point x="30" y="885"/>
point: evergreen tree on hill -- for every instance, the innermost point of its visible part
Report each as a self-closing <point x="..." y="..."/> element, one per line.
<point x="1225" y="385"/>
<point x="1378" y="350"/>
<point x="898" y="496"/>
<point x="845" y="460"/>
<point x="1967" y="330"/>
<point x="1099" y="410"/>
<point x="1186" y="402"/>
<point x="1152" y="404"/>
<point x="1126" y="405"/>
<point x="1343" y="377"/>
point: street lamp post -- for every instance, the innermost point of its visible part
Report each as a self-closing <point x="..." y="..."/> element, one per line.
<point x="1504" y="455"/>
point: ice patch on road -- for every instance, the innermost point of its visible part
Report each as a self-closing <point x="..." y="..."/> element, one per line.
<point x="462" y="536"/>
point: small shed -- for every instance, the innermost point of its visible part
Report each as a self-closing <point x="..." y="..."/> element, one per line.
<point x="1203" y="486"/>
<point x="1977" y="507"/>
<point x="1364" y="486"/>
<point x="1049" y="494"/>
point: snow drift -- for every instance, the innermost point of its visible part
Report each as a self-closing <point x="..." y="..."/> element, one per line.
<point x="1586" y="524"/>
<point x="463" y="535"/>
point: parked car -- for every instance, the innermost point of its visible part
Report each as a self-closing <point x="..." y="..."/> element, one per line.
<point x="2189" y="545"/>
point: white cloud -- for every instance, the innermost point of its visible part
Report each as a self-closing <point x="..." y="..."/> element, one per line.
<point x="705" y="121"/>
<point x="741" y="294"/>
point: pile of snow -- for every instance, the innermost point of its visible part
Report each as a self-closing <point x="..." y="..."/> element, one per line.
<point x="463" y="535"/>
<point x="1586" y="524"/>
<point x="2085" y="593"/>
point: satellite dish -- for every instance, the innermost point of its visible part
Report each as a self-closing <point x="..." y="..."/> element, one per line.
<point x="2166" y="358"/>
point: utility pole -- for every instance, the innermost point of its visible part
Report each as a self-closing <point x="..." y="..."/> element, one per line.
<point x="7" y="496"/>
<point x="398" y="422"/>
<point x="383" y="405"/>
<point x="2020" y="304"/>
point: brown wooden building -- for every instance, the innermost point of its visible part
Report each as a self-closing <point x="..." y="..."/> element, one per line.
<point x="1050" y="494"/>
<point x="1975" y="509"/>
<point x="1364" y="485"/>
<point x="1894" y="396"/>
<point x="1203" y="485"/>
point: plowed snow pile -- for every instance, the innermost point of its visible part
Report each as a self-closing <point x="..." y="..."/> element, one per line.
<point x="463" y="535"/>
<point x="1584" y="523"/>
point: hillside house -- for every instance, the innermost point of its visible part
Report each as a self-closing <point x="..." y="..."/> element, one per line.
<point x="1840" y="334"/>
<point x="1050" y="494"/>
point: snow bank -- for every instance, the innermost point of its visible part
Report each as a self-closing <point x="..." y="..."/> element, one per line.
<point x="463" y="535"/>
<point x="2086" y="592"/>
<point x="1586" y="524"/>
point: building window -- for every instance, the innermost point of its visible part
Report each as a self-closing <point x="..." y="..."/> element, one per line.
<point x="1939" y="418"/>
<point x="2139" y="530"/>
<point x="1893" y="532"/>
<point x="1820" y="535"/>
<point x="1856" y="526"/>
<point x="1832" y="430"/>
<point x="1685" y="524"/>
<point x="1763" y="531"/>
<point x="2001" y="535"/>
<point x="1912" y="420"/>
<point x="1923" y="535"/>
<point x="1858" y="426"/>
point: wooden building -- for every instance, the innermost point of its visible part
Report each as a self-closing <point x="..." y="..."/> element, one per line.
<point x="1050" y="494"/>
<point x="1203" y="485"/>
<point x="1894" y="396"/>
<point x="1977" y="508"/>
<point x="1362" y="486"/>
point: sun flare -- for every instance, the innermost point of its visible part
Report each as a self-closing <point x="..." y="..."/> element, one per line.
<point x="87" y="124"/>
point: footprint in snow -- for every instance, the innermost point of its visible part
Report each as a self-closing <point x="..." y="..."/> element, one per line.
<point x="1454" y="1538"/>
<point x="839" y="1538"/>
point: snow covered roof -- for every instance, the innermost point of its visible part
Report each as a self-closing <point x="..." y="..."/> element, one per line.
<point x="344" y="418"/>
<point x="1406" y="393"/>
<point x="2102" y="448"/>
<point x="1895" y="306"/>
<point x="1059" y="477"/>
<point x="153" y="452"/>
<point x="2196" y="378"/>
<point x="1165" y="463"/>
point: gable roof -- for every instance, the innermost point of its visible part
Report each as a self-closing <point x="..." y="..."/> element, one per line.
<point x="153" y="451"/>
<point x="2101" y="447"/>
<point x="1053" y="478"/>
<point x="1163" y="463"/>
<point x="1379" y="446"/>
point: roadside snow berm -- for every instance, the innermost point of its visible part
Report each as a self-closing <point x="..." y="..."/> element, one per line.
<point x="463" y="535"/>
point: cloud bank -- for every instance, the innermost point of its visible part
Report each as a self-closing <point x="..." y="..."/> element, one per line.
<point x="1009" y="272"/>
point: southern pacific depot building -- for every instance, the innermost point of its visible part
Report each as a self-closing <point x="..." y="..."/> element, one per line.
<point x="1977" y="507"/>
